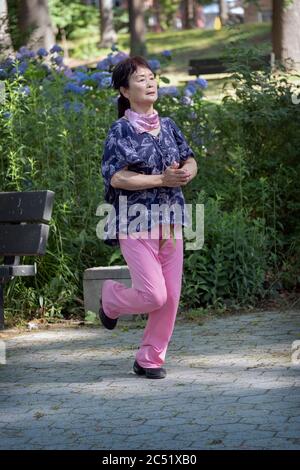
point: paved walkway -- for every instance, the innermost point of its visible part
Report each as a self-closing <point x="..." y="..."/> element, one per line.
<point x="230" y="385"/>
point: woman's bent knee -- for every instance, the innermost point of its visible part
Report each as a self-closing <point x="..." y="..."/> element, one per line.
<point x="156" y="298"/>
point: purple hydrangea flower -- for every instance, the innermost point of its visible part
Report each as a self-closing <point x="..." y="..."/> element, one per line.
<point x="154" y="64"/>
<point x="24" y="53"/>
<point x="7" y="115"/>
<point x="24" y="90"/>
<point x="56" y="48"/>
<point x="80" y="77"/>
<point x="166" y="53"/>
<point x="103" y="79"/>
<point x="73" y="87"/>
<point x="68" y="73"/>
<point x="189" y="90"/>
<point x="58" y="60"/>
<point x="8" y="62"/>
<point x="186" y="100"/>
<point x="201" y="82"/>
<point x="114" y="60"/>
<point x="105" y="82"/>
<point x="103" y="64"/>
<point x="168" y="90"/>
<point x="97" y="76"/>
<point x="19" y="69"/>
<point x="41" y="52"/>
<point x="23" y="66"/>
<point x="67" y="105"/>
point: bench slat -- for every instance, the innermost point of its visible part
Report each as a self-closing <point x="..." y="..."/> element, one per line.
<point x="26" y="206"/>
<point x="23" y="239"/>
<point x="207" y="69"/>
<point x="214" y="65"/>
<point x="21" y="270"/>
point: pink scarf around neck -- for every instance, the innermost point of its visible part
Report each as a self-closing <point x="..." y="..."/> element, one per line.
<point x="143" y="122"/>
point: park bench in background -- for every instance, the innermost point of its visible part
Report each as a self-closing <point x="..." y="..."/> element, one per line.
<point x="211" y="66"/>
<point x="24" y="229"/>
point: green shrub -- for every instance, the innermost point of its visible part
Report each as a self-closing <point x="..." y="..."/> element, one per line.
<point x="251" y="158"/>
<point x="231" y="267"/>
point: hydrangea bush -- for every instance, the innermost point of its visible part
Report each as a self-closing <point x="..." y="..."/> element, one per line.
<point x="53" y="122"/>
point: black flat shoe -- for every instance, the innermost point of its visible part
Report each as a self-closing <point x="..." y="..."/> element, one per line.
<point x="109" y="323"/>
<point x="138" y="369"/>
<point x="149" y="372"/>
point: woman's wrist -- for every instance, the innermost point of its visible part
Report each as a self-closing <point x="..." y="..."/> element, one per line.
<point x="160" y="180"/>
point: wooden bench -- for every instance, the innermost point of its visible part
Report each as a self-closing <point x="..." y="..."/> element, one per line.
<point x="24" y="229"/>
<point x="211" y="66"/>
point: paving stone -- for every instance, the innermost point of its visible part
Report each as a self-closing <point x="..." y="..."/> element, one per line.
<point x="230" y="385"/>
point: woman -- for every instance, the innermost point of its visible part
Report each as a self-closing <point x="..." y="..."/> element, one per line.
<point x="146" y="160"/>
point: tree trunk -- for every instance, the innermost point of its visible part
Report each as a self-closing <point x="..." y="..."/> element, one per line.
<point x="223" y="12"/>
<point x="157" y="13"/>
<point x="291" y="33"/>
<point x="137" y="28"/>
<point x="277" y="11"/>
<point x="108" y="36"/>
<point x="5" y="40"/>
<point x="188" y="14"/>
<point x="286" y="32"/>
<point x="35" y="24"/>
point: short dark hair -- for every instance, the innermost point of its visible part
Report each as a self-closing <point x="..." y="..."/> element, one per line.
<point x="120" y="77"/>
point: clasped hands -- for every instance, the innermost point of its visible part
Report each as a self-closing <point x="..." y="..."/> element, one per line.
<point x="174" y="176"/>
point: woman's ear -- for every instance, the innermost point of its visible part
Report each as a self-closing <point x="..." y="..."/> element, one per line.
<point x="124" y="91"/>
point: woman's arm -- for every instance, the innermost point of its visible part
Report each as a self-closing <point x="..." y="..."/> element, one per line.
<point x="131" y="180"/>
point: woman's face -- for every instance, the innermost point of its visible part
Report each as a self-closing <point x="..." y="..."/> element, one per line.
<point x="142" y="87"/>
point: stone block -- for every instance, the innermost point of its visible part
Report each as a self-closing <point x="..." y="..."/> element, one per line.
<point x="93" y="279"/>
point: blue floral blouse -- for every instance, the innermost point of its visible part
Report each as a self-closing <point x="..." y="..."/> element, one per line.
<point x="147" y="154"/>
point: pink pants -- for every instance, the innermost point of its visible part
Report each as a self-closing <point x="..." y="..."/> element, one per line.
<point x="156" y="274"/>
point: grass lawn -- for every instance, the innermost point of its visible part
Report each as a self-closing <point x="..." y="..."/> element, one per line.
<point x="184" y="45"/>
